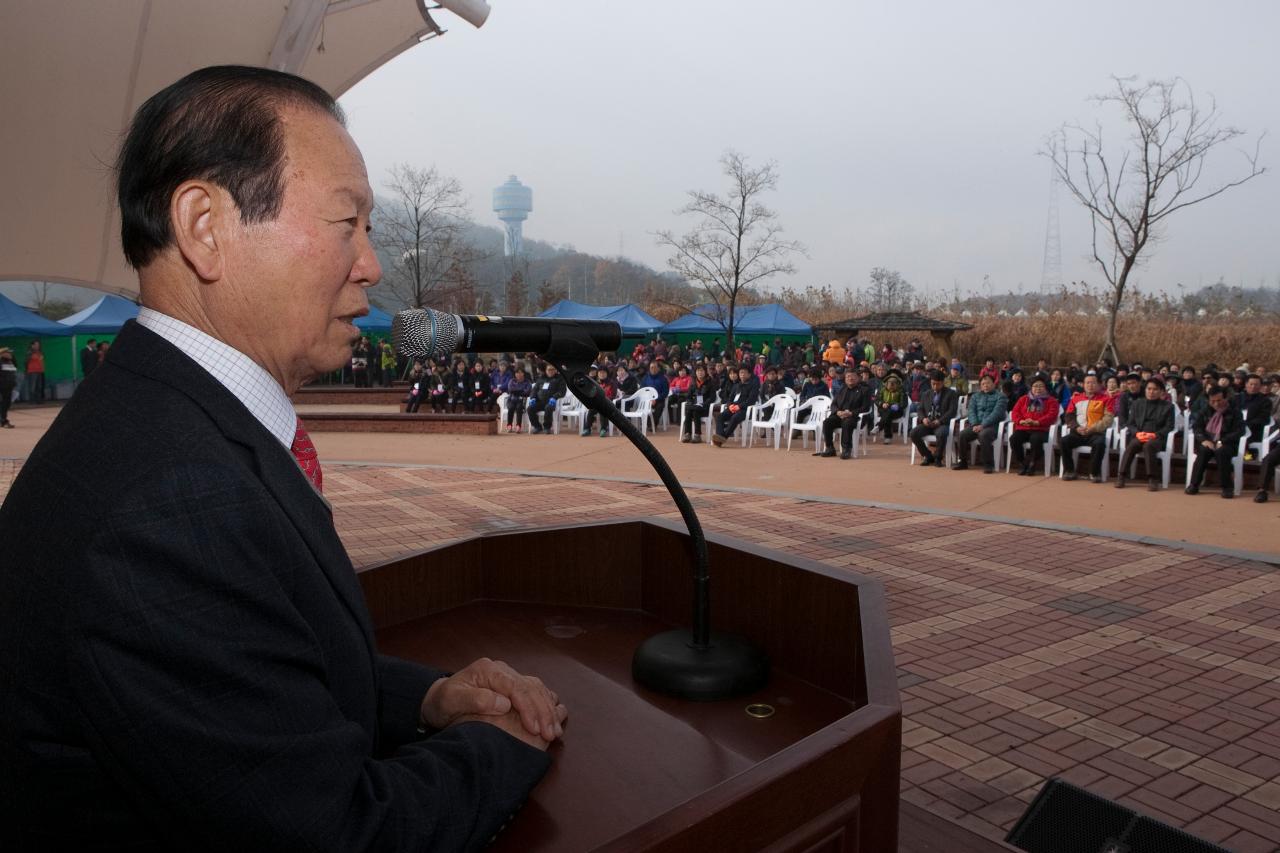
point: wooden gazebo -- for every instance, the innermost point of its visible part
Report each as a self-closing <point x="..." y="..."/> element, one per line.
<point x="903" y="321"/>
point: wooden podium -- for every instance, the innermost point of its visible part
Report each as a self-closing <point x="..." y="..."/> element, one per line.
<point x="637" y="770"/>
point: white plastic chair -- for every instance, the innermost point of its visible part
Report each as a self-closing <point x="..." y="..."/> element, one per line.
<point x="949" y="452"/>
<point x="777" y="421"/>
<point x="1108" y="440"/>
<point x="570" y="409"/>
<point x="638" y="407"/>
<point x="1165" y="457"/>
<point x="522" y="417"/>
<point x="807" y="418"/>
<point x="1247" y="446"/>
<point x="1047" y="452"/>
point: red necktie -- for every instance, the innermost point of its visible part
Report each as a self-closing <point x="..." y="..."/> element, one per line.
<point x="308" y="460"/>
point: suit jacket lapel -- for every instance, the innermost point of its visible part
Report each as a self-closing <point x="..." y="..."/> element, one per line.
<point x="141" y="351"/>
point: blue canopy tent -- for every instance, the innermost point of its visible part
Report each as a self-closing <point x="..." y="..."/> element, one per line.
<point x="16" y="321"/>
<point x="377" y="320"/>
<point x="104" y="317"/>
<point x="634" y="322"/>
<point x="758" y="322"/>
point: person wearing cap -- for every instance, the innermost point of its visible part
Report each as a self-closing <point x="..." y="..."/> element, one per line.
<point x="957" y="381"/>
<point x="834" y="353"/>
<point x="1148" y="422"/>
<point x="853" y="400"/>
<point x="891" y="404"/>
<point x="938" y="407"/>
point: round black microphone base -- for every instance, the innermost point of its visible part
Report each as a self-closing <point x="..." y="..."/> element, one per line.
<point x="728" y="666"/>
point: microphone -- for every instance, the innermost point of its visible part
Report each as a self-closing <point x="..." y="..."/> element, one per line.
<point x="427" y="334"/>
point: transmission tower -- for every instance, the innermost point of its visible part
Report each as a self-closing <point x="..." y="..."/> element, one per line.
<point x="1051" y="272"/>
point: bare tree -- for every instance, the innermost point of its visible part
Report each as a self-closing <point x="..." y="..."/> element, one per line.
<point x="737" y="241"/>
<point x="1130" y="191"/>
<point x="549" y="294"/>
<point x="419" y="229"/>
<point x="48" y="306"/>
<point x="889" y="291"/>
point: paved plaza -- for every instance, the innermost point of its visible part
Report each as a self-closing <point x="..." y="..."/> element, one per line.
<point x="1146" y="673"/>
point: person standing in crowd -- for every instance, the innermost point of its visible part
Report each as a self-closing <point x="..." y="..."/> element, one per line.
<point x="35" y="373"/>
<point x="88" y="358"/>
<point x="891" y="402"/>
<point x="518" y="390"/>
<point x="853" y="401"/>
<point x="938" y="406"/>
<point x="741" y="395"/>
<point x="1033" y="416"/>
<point x="834" y="353"/>
<point x="986" y="412"/>
<point x="1089" y="414"/>
<point x="542" y="404"/>
<point x="8" y="382"/>
<point x="387" y="360"/>
<point x="1148" y="422"/>
<point x="1217" y="438"/>
<point x="360" y="356"/>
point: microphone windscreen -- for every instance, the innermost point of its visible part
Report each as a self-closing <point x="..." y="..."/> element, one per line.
<point x="424" y="333"/>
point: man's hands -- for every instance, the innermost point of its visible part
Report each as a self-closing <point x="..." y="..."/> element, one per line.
<point x="493" y="692"/>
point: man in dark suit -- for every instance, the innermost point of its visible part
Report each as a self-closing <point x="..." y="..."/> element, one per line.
<point x="88" y="358"/>
<point x="188" y="663"/>
<point x="852" y="401"/>
<point x="938" y="406"/>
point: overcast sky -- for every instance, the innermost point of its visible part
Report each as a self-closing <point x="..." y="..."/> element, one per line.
<point x="905" y="133"/>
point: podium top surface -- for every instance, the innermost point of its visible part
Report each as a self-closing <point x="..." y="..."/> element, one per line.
<point x="628" y="754"/>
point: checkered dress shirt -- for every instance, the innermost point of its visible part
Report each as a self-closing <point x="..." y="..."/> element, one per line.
<point x="239" y="374"/>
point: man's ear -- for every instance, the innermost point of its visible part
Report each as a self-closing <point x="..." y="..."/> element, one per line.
<point x="194" y="213"/>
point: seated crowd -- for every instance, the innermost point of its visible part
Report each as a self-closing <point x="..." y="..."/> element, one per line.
<point x="1133" y="409"/>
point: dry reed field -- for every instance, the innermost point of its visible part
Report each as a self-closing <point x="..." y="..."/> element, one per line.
<point x="1068" y="338"/>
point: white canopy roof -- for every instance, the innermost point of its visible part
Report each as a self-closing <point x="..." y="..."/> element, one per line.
<point x="75" y="71"/>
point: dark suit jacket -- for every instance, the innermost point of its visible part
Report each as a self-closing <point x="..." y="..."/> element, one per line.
<point x="187" y="663"/>
<point x="946" y="408"/>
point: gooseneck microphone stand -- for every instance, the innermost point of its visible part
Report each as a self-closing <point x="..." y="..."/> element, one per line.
<point x="692" y="664"/>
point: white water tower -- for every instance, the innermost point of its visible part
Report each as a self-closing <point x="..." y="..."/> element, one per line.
<point x="513" y="202"/>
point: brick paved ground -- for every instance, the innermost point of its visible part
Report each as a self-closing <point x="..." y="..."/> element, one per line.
<point x="1145" y="675"/>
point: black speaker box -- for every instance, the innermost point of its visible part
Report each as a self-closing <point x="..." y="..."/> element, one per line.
<point x="1066" y="819"/>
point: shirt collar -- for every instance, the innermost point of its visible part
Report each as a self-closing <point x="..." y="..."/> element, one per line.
<point x="239" y="374"/>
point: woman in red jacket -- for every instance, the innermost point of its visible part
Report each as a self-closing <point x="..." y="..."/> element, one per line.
<point x="1033" y="415"/>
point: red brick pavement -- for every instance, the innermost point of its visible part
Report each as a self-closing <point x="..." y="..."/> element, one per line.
<point x="1148" y="675"/>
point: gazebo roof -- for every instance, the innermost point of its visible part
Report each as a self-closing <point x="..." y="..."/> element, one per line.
<point x="901" y="321"/>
